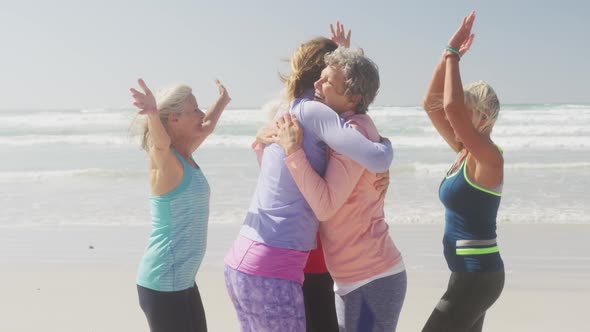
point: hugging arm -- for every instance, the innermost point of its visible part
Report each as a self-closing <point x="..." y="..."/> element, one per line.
<point x="320" y="120"/>
<point x="325" y="195"/>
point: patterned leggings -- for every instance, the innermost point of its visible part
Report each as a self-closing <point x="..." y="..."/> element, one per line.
<point x="266" y="304"/>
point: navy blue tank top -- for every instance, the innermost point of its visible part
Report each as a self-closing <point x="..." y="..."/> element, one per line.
<point x="470" y="224"/>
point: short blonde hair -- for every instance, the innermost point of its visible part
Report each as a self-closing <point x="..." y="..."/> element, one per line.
<point x="169" y="100"/>
<point x="482" y="99"/>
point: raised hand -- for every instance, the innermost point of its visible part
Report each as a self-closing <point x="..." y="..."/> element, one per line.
<point x="145" y="101"/>
<point x="223" y="95"/>
<point x="466" y="45"/>
<point x="463" y="36"/>
<point x="338" y="35"/>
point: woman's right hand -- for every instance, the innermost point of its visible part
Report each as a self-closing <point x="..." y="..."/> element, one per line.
<point x="145" y="101"/>
<point x="338" y="35"/>
<point x="290" y="133"/>
<point x="463" y="37"/>
<point x="267" y="135"/>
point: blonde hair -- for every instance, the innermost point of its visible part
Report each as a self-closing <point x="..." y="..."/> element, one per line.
<point x="484" y="102"/>
<point x="169" y="100"/>
<point x="272" y="107"/>
<point x="307" y="64"/>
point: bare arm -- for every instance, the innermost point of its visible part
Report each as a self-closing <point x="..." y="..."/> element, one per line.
<point x="433" y="101"/>
<point x="433" y="105"/>
<point x="479" y="145"/>
<point x="160" y="152"/>
<point x="214" y="112"/>
<point x="212" y="115"/>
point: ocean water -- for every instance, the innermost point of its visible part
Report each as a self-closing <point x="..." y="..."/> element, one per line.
<point x="83" y="168"/>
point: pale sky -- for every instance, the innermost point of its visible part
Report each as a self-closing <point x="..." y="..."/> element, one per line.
<point x="86" y="54"/>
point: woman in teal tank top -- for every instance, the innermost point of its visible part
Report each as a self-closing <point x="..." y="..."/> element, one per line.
<point x="174" y="129"/>
<point x="470" y="192"/>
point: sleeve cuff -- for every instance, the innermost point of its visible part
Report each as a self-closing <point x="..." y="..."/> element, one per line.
<point x="256" y="146"/>
<point x="295" y="158"/>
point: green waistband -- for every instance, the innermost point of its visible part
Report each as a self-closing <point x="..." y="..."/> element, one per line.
<point x="476" y="251"/>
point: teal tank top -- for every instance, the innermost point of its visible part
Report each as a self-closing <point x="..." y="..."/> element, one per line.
<point x="179" y="233"/>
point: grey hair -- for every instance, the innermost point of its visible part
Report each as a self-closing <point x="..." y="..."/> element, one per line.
<point x="168" y="101"/>
<point x="484" y="102"/>
<point x="360" y="72"/>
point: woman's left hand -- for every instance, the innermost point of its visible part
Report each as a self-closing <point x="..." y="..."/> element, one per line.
<point x="463" y="37"/>
<point x="223" y="95"/>
<point x="338" y="35"/>
<point x="290" y="133"/>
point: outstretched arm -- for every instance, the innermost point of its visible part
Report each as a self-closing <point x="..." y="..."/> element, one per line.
<point x="159" y="151"/>
<point x="214" y="112"/>
<point x="212" y="115"/>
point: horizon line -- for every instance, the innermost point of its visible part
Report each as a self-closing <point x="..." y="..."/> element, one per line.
<point x="260" y="107"/>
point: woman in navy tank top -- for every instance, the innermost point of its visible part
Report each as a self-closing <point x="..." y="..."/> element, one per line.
<point x="470" y="192"/>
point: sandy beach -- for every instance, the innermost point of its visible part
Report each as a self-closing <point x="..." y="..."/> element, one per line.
<point x="53" y="281"/>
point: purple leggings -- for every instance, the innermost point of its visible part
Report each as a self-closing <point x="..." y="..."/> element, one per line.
<point x="265" y="304"/>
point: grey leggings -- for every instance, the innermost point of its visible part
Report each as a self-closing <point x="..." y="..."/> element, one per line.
<point x="463" y="306"/>
<point x="374" y="307"/>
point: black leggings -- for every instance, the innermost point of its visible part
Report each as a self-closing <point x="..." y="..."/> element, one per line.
<point x="320" y="308"/>
<point x="463" y="306"/>
<point x="180" y="311"/>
